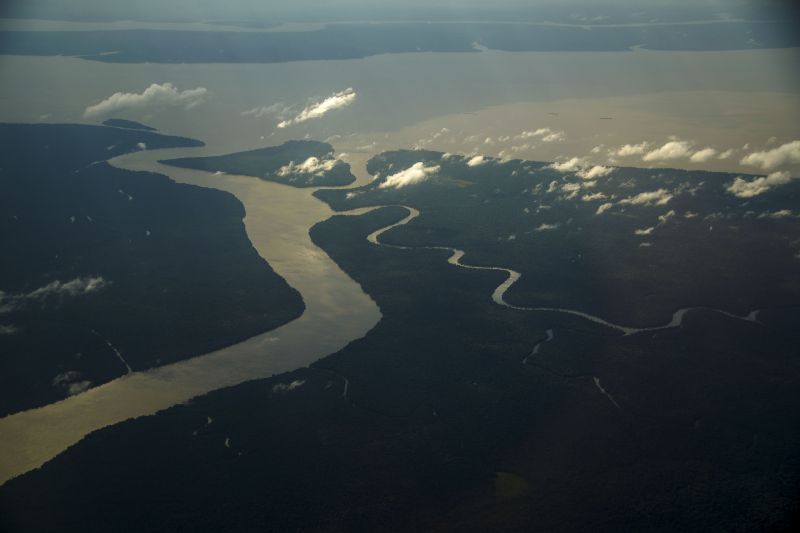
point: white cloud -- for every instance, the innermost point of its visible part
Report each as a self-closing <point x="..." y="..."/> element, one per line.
<point x="553" y="187"/>
<point x="417" y="173"/>
<point x="663" y="219"/>
<point x="69" y="381"/>
<point x="75" y="287"/>
<point x="546" y="227"/>
<point x="367" y="147"/>
<point x="312" y="165"/>
<point x="670" y="150"/>
<point x="597" y="171"/>
<point x="726" y="154"/>
<point x="571" y="165"/>
<point x="645" y="231"/>
<point x="165" y="94"/>
<point x="631" y="149"/>
<point x="767" y="160"/>
<point x="603" y="208"/>
<point x="701" y="156"/>
<point x="572" y="188"/>
<point x="556" y="136"/>
<point x="546" y="134"/>
<point x="476" y="160"/>
<point x="783" y="213"/>
<point x="593" y="197"/>
<point x="320" y="109"/>
<point x="283" y="387"/>
<point x="747" y="189"/>
<point x="659" y="197"/>
<point x="278" y="109"/>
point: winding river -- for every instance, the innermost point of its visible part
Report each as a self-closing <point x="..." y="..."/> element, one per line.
<point x="498" y="296"/>
<point x="338" y="311"/>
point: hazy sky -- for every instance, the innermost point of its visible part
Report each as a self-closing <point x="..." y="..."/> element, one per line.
<point x="253" y="10"/>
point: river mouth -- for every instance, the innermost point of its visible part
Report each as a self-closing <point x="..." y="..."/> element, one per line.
<point x="277" y="221"/>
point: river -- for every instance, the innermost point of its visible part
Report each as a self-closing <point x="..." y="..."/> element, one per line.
<point x="277" y="222"/>
<point x="708" y="97"/>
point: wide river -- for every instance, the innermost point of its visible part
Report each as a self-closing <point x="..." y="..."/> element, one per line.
<point x="719" y="99"/>
<point x="277" y="221"/>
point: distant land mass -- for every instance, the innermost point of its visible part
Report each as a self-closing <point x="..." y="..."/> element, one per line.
<point x="359" y="40"/>
<point x="109" y="271"/>
<point x="129" y="124"/>
<point x="295" y="163"/>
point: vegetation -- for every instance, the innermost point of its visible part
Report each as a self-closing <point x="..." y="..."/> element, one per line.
<point x="636" y="263"/>
<point x="129" y="124"/>
<point x="102" y="260"/>
<point x="295" y="163"/>
<point x="408" y="428"/>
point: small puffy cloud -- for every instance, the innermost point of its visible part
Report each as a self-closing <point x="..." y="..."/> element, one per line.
<point x="553" y="187"/>
<point x="417" y="173"/>
<point x="767" y="160"/>
<point x="659" y="197"/>
<point x="287" y="387"/>
<point x="603" y="208"/>
<point x="546" y="134"/>
<point x="597" y="171"/>
<point x="556" y="136"/>
<point x="747" y="189"/>
<point x="572" y="189"/>
<point x="70" y="381"/>
<point x="663" y="219"/>
<point x="165" y="94"/>
<point x="644" y="231"/>
<point x="312" y="165"/>
<point x="783" y="213"/>
<point x="571" y="165"/>
<point x="476" y="160"/>
<point x="593" y="197"/>
<point x="670" y="150"/>
<point x="726" y="154"/>
<point x="701" y="156"/>
<point x="75" y="287"/>
<point x="323" y="107"/>
<point x="631" y="149"/>
<point x="546" y="227"/>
